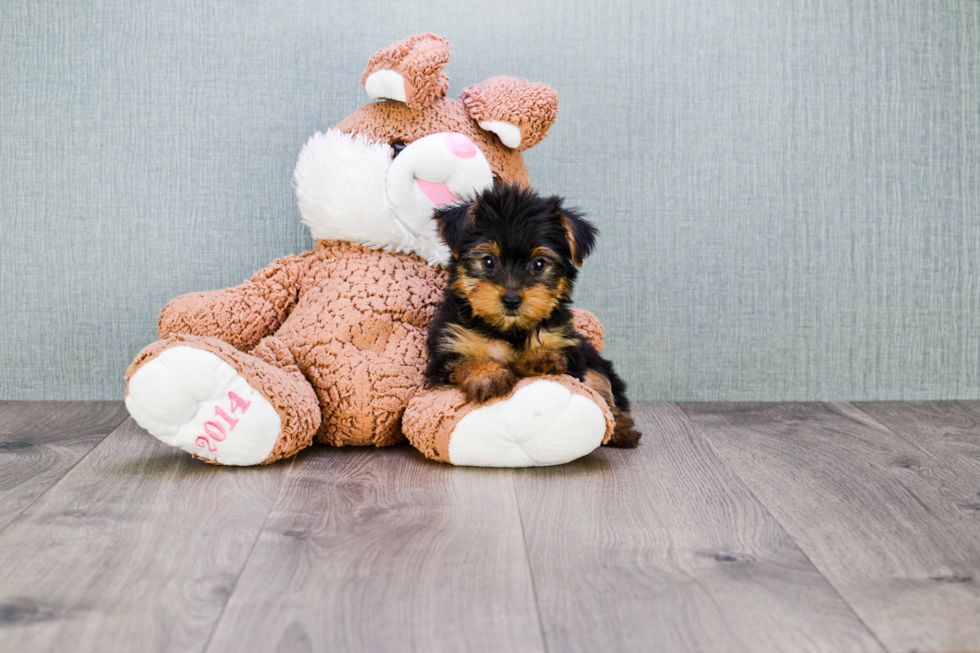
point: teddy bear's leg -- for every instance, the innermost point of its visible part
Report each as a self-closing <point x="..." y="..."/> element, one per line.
<point x="364" y="392"/>
<point x="544" y="421"/>
<point x="202" y="395"/>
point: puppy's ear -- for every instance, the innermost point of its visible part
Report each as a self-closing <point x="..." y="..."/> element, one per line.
<point x="453" y="222"/>
<point x="579" y="232"/>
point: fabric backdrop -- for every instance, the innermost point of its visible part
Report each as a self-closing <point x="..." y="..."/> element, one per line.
<point x="788" y="192"/>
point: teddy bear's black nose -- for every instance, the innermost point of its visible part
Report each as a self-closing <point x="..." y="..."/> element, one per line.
<point x="511" y="300"/>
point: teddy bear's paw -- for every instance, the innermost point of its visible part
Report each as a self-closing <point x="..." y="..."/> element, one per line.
<point x="543" y="423"/>
<point x="192" y="399"/>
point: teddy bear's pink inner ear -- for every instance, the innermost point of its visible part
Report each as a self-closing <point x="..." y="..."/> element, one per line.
<point x="518" y="112"/>
<point x="409" y="71"/>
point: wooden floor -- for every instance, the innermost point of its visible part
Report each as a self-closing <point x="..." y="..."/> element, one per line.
<point x="736" y="527"/>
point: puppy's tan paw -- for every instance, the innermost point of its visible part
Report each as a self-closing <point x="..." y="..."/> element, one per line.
<point x="483" y="379"/>
<point x="540" y="363"/>
<point x="490" y="385"/>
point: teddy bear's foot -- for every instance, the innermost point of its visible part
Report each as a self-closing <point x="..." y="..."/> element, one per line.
<point x="545" y="421"/>
<point x="191" y="399"/>
<point x="197" y="397"/>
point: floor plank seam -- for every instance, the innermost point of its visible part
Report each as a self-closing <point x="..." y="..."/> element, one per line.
<point x="765" y="506"/>
<point x="527" y="560"/>
<point x="62" y="477"/>
<point x="251" y="550"/>
<point x="923" y="450"/>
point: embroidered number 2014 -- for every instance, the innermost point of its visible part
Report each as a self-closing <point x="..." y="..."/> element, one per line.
<point x="215" y="430"/>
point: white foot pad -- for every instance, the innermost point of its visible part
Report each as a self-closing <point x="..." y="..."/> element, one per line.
<point x="544" y="423"/>
<point x="191" y="399"/>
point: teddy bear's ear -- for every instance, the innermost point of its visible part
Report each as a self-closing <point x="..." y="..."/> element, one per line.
<point x="520" y="113"/>
<point x="409" y="71"/>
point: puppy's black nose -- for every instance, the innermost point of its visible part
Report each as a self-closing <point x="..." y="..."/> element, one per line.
<point x="511" y="300"/>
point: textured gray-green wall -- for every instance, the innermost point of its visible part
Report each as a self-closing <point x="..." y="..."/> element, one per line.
<point x="789" y="193"/>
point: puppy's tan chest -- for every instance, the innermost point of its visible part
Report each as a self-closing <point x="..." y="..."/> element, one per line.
<point x="470" y="344"/>
<point x="550" y="339"/>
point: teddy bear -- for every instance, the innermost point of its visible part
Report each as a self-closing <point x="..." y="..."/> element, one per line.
<point x="329" y="346"/>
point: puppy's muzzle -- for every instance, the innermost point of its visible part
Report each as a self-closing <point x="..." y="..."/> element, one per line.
<point x="511" y="301"/>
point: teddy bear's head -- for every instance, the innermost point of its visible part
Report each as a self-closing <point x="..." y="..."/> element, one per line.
<point x="376" y="177"/>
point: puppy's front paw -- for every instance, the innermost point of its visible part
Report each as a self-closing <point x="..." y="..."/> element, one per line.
<point x="540" y="363"/>
<point x="482" y="380"/>
<point x="487" y="386"/>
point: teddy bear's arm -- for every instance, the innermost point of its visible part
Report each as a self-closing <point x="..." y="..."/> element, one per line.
<point x="589" y="326"/>
<point x="240" y="316"/>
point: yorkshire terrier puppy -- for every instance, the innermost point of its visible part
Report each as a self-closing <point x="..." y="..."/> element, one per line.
<point x="505" y="314"/>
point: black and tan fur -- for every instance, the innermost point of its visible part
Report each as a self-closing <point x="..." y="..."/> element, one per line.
<point x="506" y="313"/>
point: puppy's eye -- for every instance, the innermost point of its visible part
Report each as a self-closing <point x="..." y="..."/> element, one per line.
<point x="539" y="264"/>
<point x="396" y="148"/>
<point x="489" y="262"/>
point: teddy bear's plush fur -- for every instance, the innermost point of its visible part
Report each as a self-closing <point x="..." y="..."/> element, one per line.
<point x="329" y="345"/>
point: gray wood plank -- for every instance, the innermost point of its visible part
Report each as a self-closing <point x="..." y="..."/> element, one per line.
<point x="971" y="405"/>
<point x="370" y="550"/>
<point x="136" y="549"/>
<point x="40" y="441"/>
<point x="877" y="515"/>
<point x="949" y="432"/>
<point x="662" y="548"/>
